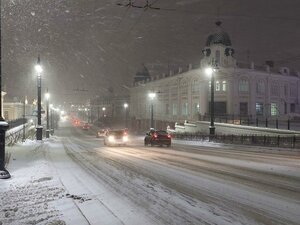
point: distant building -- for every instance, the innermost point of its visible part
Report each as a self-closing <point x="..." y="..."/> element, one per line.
<point x="142" y="74"/>
<point x="240" y="89"/>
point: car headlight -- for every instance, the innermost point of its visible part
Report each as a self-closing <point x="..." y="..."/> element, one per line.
<point x="111" y="138"/>
<point x="125" y="138"/>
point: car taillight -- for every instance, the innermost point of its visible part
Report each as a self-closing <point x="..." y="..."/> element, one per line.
<point x="155" y="135"/>
<point x="169" y="136"/>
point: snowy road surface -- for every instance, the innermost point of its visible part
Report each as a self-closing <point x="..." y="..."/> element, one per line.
<point x="73" y="178"/>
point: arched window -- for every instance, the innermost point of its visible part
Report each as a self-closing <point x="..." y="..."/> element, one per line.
<point x="275" y="89"/>
<point x="260" y="87"/>
<point x="244" y="85"/>
<point x="218" y="57"/>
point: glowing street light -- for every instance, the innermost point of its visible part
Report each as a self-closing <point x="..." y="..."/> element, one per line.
<point x="126" y="114"/>
<point x="210" y="72"/>
<point x="152" y="95"/>
<point x="39" y="129"/>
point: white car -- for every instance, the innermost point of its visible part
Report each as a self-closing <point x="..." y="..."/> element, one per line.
<point x="116" y="137"/>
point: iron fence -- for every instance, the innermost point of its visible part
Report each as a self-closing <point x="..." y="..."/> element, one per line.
<point x="17" y="122"/>
<point x="292" y="141"/>
<point x="248" y="120"/>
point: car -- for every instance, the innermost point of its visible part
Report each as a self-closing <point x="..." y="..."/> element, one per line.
<point x="159" y="137"/>
<point x="116" y="137"/>
<point x="101" y="133"/>
<point x="86" y="126"/>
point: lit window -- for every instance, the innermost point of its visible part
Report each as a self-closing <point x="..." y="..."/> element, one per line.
<point x="218" y="86"/>
<point x="224" y="84"/>
<point x="259" y="108"/>
<point x="196" y="108"/>
<point x="274" y="109"/>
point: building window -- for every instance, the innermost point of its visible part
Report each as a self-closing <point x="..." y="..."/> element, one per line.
<point x="293" y="108"/>
<point x="196" y="109"/>
<point x="167" y="109"/>
<point x="274" y="109"/>
<point x="275" y="89"/>
<point x="286" y="90"/>
<point x="224" y="85"/>
<point x="218" y="86"/>
<point x="174" y="110"/>
<point x="218" y="57"/>
<point x="259" y="108"/>
<point x="243" y="108"/>
<point x="195" y="86"/>
<point x="184" y="110"/>
<point x="260" y="87"/>
<point x="243" y="85"/>
<point x="293" y="90"/>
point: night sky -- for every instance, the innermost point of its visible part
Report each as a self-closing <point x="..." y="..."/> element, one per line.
<point x="96" y="44"/>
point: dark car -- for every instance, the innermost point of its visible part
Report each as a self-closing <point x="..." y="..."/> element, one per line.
<point x="116" y="137"/>
<point x="159" y="137"/>
<point x="86" y="126"/>
<point x="101" y="132"/>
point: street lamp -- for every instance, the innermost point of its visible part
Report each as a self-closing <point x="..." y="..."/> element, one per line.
<point x="210" y="72"/>
<point x="51" y="119"/>
<point x="103" y="111"/>
<point x="39" y="129"/>
<point x="125" y="107"/>
<point x="47" y="95"/>
<point x="4" y="174"/>
<point x="152" y="95"/>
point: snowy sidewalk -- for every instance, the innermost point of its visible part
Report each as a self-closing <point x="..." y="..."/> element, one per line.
<point x="35" y="194"/>
<point x="32" y="195"/>
<point x="48" y="188"/>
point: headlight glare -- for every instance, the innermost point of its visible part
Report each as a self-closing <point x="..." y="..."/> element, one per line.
<point x="111" y="138"/>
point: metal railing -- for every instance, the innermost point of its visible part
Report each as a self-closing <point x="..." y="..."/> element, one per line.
<point x="291" y="141"/>
<point x="270" y="122"/>
<point x="17" y="122"/>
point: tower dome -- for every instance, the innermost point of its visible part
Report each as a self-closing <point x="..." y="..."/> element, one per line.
<point x="218" y="49"/>
<point x="219" y="37"/>
<point x="142" y="74"/>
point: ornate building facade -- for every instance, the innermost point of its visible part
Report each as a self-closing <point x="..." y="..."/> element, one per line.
<point x="240" y="89"/>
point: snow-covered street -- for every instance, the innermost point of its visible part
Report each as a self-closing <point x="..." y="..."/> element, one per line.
<point x="72" y="178"/>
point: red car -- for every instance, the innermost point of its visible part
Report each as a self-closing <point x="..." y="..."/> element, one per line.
<point x="86" y="126"/>
<point x="159" y="137"/>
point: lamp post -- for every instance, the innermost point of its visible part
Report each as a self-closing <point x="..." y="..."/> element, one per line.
<point x="4" y="174"/>
<point x="152" y="95"/>
<point x="210" y="72"/>
<point x="51" y="119"/>
<point x="39" y="129"/>
<point x="47" y="95"/>
<point x="103" y="113"/>
<point x="125" y="107"/>
<point x="24" y="118"/>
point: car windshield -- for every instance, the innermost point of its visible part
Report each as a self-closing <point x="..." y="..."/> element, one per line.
<point x="116" y="132"/>
<point x="161" y="132"/>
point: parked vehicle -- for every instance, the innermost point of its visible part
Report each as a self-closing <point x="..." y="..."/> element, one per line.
<point x="159" y="137"/>
<point x="116" y="137"/>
